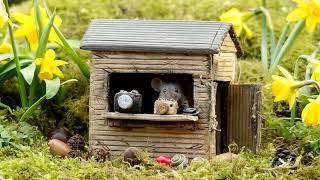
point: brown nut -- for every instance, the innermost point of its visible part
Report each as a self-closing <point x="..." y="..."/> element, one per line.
<point x="58" y="147"/>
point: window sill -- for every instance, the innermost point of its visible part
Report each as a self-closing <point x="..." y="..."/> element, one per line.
<point x="151" y="117"/>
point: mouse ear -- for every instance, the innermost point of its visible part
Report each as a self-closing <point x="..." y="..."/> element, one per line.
<point x="156" y="84"/>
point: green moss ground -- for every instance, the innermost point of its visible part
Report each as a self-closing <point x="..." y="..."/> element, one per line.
<point x="35" y="161"/>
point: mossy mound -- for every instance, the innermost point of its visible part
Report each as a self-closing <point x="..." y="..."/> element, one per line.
<point x="37" y="162"/>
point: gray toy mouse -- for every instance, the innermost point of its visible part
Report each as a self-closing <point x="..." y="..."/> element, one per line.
<point x="170" y="90"/>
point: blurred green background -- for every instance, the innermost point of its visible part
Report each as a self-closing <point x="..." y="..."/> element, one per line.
<point x="76" y="15"/>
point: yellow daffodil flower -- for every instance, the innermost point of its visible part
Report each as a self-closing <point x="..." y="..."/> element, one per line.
<point x="311" y="114"/>
<point x="308" y="10"/>
<point x="49" y="66"/>
<point x="3" y="15"/>
<point x="28" y="28"/>
<point x="315" y="69"/>
<point x="283" y="88"/>
<point x="5" y="48"/>
<point x="238" y="19"/>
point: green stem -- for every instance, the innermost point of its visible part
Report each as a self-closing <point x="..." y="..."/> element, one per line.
<point x="32" y="108"/>
<point x="33" y="89"/>
<point x="293" y="113"/>
<point x="38" y="19"/>
<point x="21" y="82"/>
<point x="315" y="52"/>
<point x="264" y="41"/>
<point x="270" y="26"/>
<point x="287" y="45"/>
<point x="308" y="82"/>
<point x="280" y="42"/>
<point x="308" y="72"/>
<point x="6" y="106"/>
<point x="296" y="68"/>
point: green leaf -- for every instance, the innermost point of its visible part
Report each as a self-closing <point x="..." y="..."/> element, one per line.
<point x="6" y="106"/>
<point x="6" y="56"/>
<point x="32" y="108"/>
<point x="71" y="52"/>
<point x="52" y="87"/>
<point x="28" y="72"/>
<point x="280" y="42"/>
<point x="38" y="17"/>
<point x="44" y="38"/>
<point x="5" y="134"/>
<point x="40" y="53"/>
<point x="68" y="81"/>
<point x="83" y="66"/>
<point x="53" y="92"/>
<point x="11" y="66"/>
<point x="9" y="56"/>
<point x="271" y="29"/>
<point x="75" y="44"/>
<point x="21" y="83"/>
<point x="264" y="42"/>
<point x="295" y="32"/>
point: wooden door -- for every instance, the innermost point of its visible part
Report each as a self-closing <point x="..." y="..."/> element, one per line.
<point x="244" y="116"/>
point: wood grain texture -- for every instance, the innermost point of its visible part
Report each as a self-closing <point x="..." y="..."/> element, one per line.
<point x="160" y="136"/>
<point x="151" y="117"/>
<point x="198" y="37"/>
<point x="244" y="116"/>
<point x="226" y="62"/>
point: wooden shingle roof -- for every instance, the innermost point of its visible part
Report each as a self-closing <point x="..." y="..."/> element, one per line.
<point x="200" y="37"/>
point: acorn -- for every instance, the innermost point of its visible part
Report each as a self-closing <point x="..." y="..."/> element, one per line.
<point x="62" y="134"/>
<point x="99" y="153"/>
<point x="58" y="147"/>
<point x="76" y="142"/>
<point x="130" y="155"/>
<point x="75" y="154"/>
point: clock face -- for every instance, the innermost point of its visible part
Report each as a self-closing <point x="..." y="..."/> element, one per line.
<point x="125" y="101"/>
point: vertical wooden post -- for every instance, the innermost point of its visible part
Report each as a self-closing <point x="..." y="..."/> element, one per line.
<point x="213" y="123"/>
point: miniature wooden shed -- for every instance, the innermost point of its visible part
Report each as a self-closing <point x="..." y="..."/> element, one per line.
<point x="202" y="55"/>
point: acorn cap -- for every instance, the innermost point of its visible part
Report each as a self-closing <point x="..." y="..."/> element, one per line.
<point x="62" y="134"/>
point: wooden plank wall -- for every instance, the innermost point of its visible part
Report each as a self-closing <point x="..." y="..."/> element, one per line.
<point x="226" y="61"/>
<point x="244" y="115"/>
<point x="157" y="138"/>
